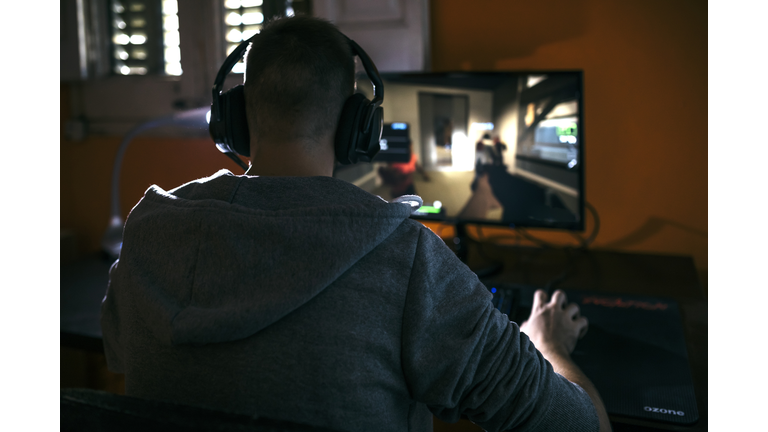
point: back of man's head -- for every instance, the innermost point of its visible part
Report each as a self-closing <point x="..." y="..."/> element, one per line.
<point x="299" y="73"/>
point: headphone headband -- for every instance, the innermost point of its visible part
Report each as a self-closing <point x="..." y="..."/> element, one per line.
<point x="235" y="56"/>
<point x="378" y="86"/>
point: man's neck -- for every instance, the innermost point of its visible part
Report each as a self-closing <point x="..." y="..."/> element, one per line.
<point x="291" y="159"/>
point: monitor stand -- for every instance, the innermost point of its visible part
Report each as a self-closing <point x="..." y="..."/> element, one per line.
<point x="461" y="246"/>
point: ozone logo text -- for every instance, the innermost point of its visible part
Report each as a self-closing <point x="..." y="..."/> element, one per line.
<point x="664" y="411"/>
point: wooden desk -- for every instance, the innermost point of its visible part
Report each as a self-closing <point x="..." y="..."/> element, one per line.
<point x="84" y="283"/>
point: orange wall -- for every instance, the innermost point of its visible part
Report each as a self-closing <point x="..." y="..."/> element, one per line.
<point x="645" y="70"/>
<point x="86" y="175"/>
<point x="645" y="102"/>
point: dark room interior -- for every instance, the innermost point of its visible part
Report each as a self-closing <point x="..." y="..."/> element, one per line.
<point x="643" y="243"/>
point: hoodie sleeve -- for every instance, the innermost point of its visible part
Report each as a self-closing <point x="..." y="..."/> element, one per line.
<point x="461" y="356"/>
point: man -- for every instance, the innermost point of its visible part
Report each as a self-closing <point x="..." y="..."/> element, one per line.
<point x="293" y="295"/>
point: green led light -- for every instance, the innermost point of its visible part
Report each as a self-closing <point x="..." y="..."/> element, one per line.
<point x="428" y="209"/>
<point x="567" y="130"/>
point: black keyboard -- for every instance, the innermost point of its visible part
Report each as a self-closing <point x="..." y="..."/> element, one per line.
<point x="513" y="300"/>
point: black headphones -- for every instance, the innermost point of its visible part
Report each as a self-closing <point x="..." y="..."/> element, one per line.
<point x="357" y="134"/>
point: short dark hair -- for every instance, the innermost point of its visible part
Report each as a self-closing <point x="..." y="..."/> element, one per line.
<point x="299" y="72"/>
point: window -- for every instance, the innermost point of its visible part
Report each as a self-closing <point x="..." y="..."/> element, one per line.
<point x="126" y="57"/>
<point x="171" y="38"/>
<point x="244" y="18"/>
<point x="145" y="37"/>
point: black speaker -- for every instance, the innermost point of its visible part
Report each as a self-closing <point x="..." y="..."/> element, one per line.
<point x="357" y="134"/>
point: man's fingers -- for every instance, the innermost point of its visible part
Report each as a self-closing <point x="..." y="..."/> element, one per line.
<point x="582" y="324"/>
<point x="559" y="299"/>
<point x="572" y="311"/>
<point x="539" y="299"/>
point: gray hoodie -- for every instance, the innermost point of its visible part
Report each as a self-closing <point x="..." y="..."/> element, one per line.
<point x="311" y="300"/>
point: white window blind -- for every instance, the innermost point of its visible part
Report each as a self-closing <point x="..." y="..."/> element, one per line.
<point x="242" y="19"/>
<point x="145" y="37"/>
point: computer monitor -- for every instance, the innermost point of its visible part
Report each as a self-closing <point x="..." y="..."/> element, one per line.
<point x="499" y="148"/>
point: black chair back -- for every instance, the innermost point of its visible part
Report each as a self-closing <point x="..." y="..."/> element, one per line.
<point x="92" y="410"/>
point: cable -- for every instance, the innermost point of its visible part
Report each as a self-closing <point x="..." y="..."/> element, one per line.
<point x="538" y="241"/>
<point x="582" y="247"/>
<point x="583" y="242"/>
<point x="596" y="228"/>
<point x="550" y="286"/>
<point x="481" y="242"/>
<point x="580" y="239"/>
<point x="518" y="233"/>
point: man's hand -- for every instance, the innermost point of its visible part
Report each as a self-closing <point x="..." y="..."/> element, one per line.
<point x="555" y="325"/>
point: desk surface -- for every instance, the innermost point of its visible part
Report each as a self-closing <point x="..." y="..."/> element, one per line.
<point x="84" y="283"/>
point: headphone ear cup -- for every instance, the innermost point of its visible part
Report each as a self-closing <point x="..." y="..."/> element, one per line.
<point x="372" y="138"/>
<point x="235" y="121"/>
<point x="348" y="133"/>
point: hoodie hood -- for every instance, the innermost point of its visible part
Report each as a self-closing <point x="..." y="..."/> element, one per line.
<point x="221" y="258"/>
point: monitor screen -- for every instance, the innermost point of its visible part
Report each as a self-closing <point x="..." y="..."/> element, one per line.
<point x="501" y="148"/>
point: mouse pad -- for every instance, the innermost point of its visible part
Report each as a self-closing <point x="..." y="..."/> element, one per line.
<point x="634" y="352"/>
